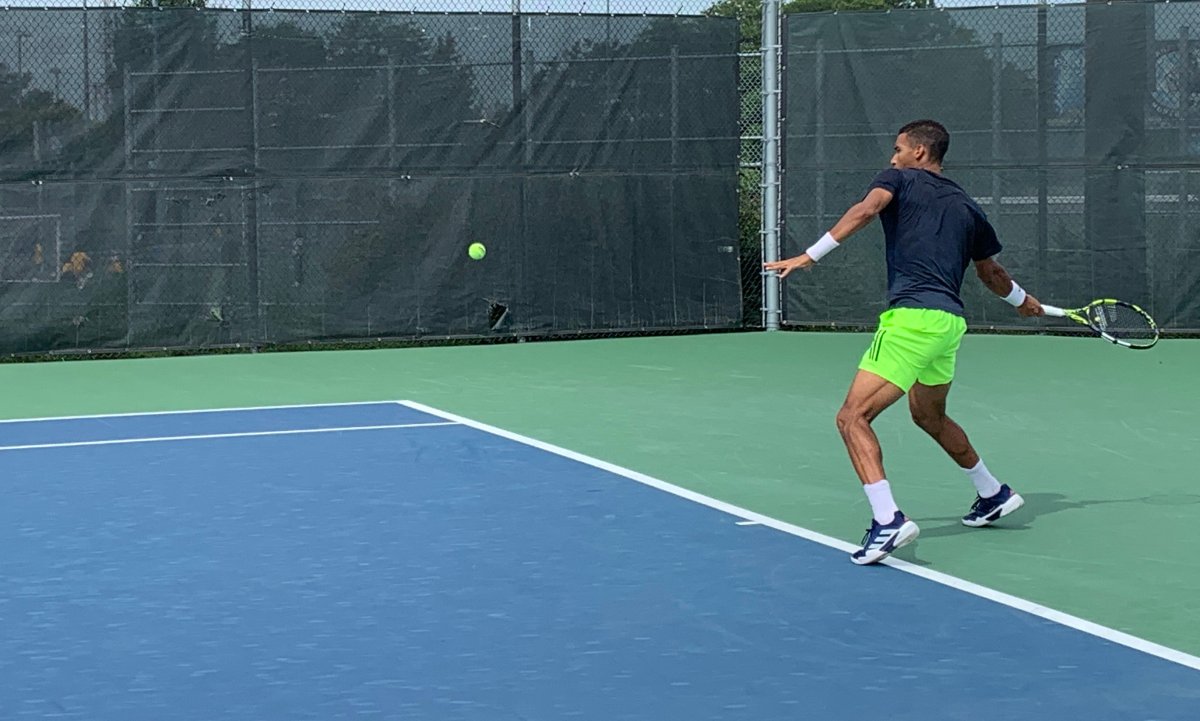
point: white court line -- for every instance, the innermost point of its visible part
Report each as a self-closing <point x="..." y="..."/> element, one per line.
<point x="208" y="436"/>
<point x="1079" y="624"/>
<point x="194" y="411"/>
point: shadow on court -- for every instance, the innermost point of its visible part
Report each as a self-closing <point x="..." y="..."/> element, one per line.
<point x="1036" y="506"/>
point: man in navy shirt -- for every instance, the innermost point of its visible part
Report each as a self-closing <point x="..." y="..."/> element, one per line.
<point x="933" y="231"/>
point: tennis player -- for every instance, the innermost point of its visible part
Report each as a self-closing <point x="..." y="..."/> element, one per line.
<point x="933" y="231"/>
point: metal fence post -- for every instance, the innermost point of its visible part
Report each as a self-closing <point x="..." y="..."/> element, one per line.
<point x="1185" y="97"/>
<point x="87" y="66"/>
<point x="819" y="141"/>
<point x="527" y="111"/>
<point x="127" y="116"/>
<point x="770" y="186"/>
<point x="251" y="200"/>
<point x="997" y="118"/>
<point x="389" y="93"/>
<point x="674" y="170"/>
<point x="1045" y="105"/>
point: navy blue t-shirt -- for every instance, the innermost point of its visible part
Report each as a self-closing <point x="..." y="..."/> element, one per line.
<point x="933" y="231"/>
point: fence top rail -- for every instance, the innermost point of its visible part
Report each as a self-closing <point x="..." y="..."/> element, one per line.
<point x="80" y="6"/>
<point x="905" y="49"/>
<point x="401" y="66"/>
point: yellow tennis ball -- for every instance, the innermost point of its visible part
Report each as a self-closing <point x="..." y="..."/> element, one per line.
<point x="476" y="251"/>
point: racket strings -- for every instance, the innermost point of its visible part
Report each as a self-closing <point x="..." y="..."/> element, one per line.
<point x="1124" y="322"/>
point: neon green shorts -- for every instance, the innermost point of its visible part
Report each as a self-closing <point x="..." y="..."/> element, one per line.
<point x="914" y="344"/>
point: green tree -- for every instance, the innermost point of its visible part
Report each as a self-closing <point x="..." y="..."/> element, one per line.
<point x="749" y="12"/>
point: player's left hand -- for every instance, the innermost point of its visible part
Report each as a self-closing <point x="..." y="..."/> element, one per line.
<point x="784" y="267"/>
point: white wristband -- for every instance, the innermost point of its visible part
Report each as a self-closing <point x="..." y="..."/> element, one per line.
<point x="1016" y="296"/>
<point x="821" y="248"/>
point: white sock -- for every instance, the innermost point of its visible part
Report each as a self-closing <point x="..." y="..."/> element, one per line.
<point x="984" y="481"/>
<point x="880" y="496"/>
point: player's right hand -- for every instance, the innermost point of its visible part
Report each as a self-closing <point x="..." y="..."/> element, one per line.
<point x="784" y="267"/>
<point x="1031" y="308"/>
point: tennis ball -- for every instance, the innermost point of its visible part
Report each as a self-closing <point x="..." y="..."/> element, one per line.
<point x="476" y="251"/>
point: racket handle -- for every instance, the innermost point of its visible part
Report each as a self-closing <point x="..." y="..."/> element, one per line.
<point x="1053" y="310"/>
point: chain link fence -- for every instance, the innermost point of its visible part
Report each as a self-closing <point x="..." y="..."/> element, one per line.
<point x="209" y="179"/>
<point x="536" y="7"/>
<point x="1076" y="128"/>
<point x="750" y="195"/>
<point x="542" y="7"/>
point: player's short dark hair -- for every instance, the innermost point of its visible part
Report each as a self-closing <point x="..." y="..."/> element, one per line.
<point x="931" y="134"/>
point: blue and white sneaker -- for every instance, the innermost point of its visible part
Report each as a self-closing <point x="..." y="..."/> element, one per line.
<point x="884" y="538"/>
<point x="986" y="511"/>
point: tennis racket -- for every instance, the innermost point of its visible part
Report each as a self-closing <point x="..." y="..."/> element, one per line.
<point x="1113" y="320"/>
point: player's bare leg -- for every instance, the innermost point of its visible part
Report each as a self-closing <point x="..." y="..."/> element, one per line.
<point x="928" y="407"/>
<point x="995" y="500"/>
<point x="869" y="396"/>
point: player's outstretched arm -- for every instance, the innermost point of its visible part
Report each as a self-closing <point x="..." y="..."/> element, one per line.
<point x="997" y="279"/>
<point x="855" y="219"/>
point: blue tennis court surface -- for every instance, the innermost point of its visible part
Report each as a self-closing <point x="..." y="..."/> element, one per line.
<point x="378" y="561"/>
